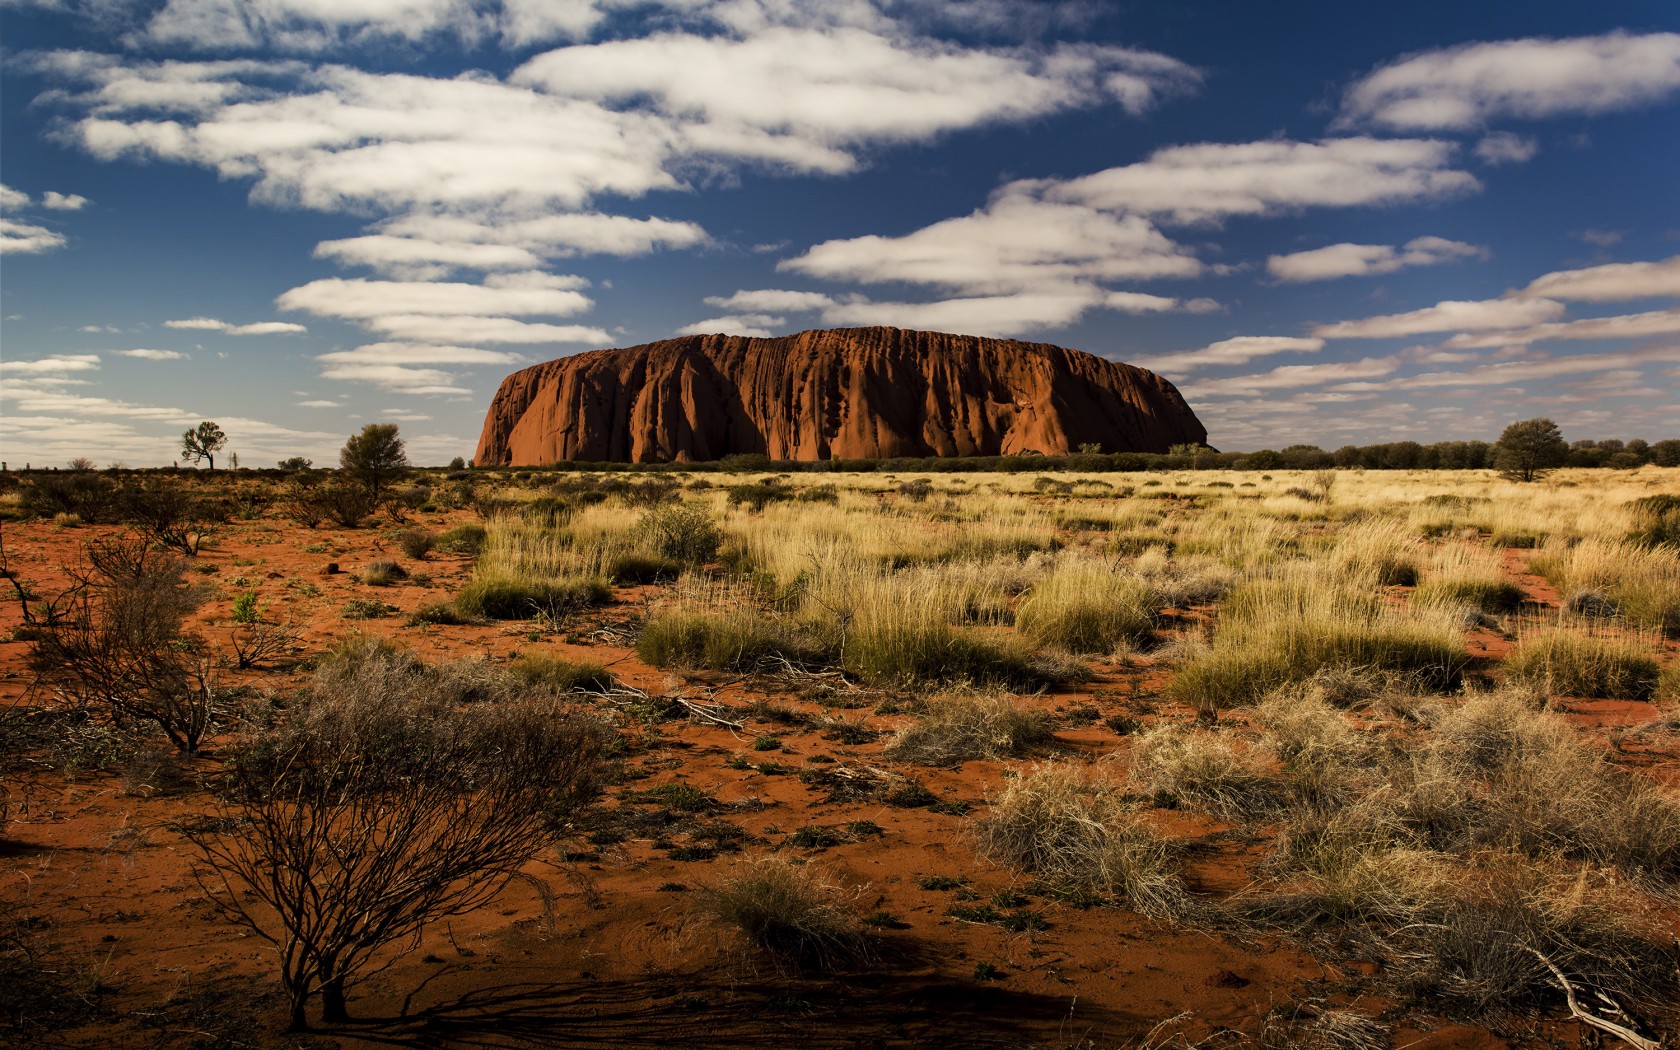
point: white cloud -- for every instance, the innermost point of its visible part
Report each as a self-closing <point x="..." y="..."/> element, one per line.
<point x="750" y="325"/>
<point x="796" y="96"/>
<point x="54" y="364"/>
<point x="1234" y="351"/>
<point x="771" y="300"/>
<point x="438" y="328"/>
<point x="422" y="354"/>
<point x="305" y="25"/>
<point x="1620" y="326"/>
<point x="518" y="295"/>
<point x="404" y="415"/>
<point x="26" y="238"/>
<point x="1612" y="282"/>
<point x="1506" y="147"/>
<point x="211" y="324"/>
<point x="1446" y="316"/>
<point x="320" y="404"/>
<point x="63" y="201"/>
<point x="154" y="355"/>
<point x="993" y="315"/>
<point x="1014" y="244"/>
<point x="1504" y="373"/>
<point x="618" y="118"/>
<point x="12" y="200"/>
<point x="1365" y="260"/>
<point x="430" y="246"/>
<point x="1289" y="377"/>
<point x="1212" y="181"/>
<point x="398" y="378"/>
<point x="1467" y="86"/>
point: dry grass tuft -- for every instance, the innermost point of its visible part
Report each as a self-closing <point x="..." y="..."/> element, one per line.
<point x="1072" y="829"/>
<point x="957" y="727"/>
<point x="791" y="913"/>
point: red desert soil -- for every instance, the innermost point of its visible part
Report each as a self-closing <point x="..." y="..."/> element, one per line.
<point x="613" y="958"/>
<point x="844" y="394"/>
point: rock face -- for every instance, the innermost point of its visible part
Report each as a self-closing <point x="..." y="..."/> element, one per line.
<point x="849" y="393"/>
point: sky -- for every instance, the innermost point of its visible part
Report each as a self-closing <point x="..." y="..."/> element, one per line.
<point x="1327" y="223"/>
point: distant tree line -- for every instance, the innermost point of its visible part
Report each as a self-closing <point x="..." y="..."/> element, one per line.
<point x="1394" y="455"/>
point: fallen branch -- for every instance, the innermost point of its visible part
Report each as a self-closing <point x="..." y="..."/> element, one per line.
<point x="1626" y="1035"/>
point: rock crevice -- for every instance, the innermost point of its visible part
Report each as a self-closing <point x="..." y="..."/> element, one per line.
<point x="850" y="393"/>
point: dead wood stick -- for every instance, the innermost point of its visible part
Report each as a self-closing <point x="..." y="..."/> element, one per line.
<point x="1626" y="1035"/>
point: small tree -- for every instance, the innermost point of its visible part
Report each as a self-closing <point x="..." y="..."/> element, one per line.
<point x="1529" y="449"/>
<point x="374" y="458"/>
<point x="296" y="463"/>
<point x="201" y="443"/>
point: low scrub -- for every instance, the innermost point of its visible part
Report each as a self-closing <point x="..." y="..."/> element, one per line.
<point x="1274" y="632"/>
<point x="1641" y="584"/>
<point x="1656" y="520"/>
<point x="791" y="914"/>
<point x="1072" y="829"/>
<point x="718" y="638"/>
<point x="560" y="674"/>
<point x="1205" y="769"/>
<point x="1585" y="665"/>
<point x="958" y="727"/>
<point x="1087" y="607"/>
<point x="520" y="599"/>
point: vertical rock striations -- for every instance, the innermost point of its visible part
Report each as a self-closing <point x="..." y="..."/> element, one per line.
<point x="848" y="393"/>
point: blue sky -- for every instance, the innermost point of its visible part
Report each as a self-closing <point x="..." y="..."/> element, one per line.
<point x="1340" y="224"/>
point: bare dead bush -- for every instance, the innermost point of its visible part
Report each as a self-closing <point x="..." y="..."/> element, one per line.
<point x="115" y="640"/>
<point x="376" y="810"/>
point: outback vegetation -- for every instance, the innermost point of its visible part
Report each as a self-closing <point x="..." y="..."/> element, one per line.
<point x="1267" y="757"/>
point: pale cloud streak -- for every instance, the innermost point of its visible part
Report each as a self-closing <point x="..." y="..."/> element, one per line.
<point x="1447" y="316"/>
<point x="1619" y="326"/>
<point x="1234" y="351"/>
<point x="1612" y="282"/>
<point x="211" y="324"/>
<point x="146" y="354"/>
<point x="1210" y="182"/>
<point x="1367" y="260"/>
<point x="1466" y="87"/>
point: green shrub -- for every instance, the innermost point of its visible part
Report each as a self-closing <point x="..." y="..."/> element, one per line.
<point x="685" y="535"/>
<point x="1585" y="665"/>
<point x="416" y="543"/>
<point x="507" y="599"/>
<point x="1490" y="596"/>
<point x="383" y="573"/>
<point x="717" y="639"/>
<point x="444" y="614"/>
<point x="1656" y="520"/>
<point x="642" y="567"/>
<point x="463" y="539"/>
<point x="758" y="494"/>
<point x="561" y="674"/>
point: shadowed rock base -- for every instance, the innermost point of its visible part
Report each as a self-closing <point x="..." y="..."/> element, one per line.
<point x="849" y="393"/>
